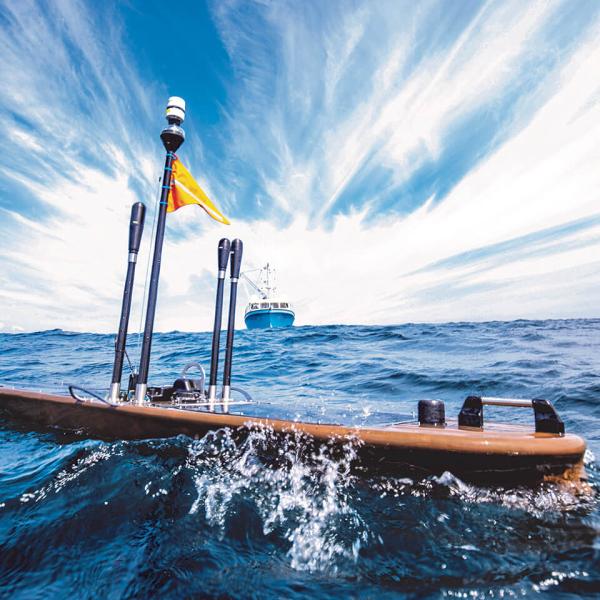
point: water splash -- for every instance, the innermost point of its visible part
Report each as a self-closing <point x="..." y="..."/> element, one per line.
<point x="86" y="461"/>
<point x="544" y="500"/>
<point x="299" y="491"/>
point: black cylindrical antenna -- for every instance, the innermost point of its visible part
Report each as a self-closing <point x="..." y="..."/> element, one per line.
<point x="172" y="137"/>
<point x="136" y="228"/>
<point x="236" y="262"/>
<point x="222" y="260"/>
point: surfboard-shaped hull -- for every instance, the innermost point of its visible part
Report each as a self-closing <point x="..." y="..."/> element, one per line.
<point x="499" y="454"/>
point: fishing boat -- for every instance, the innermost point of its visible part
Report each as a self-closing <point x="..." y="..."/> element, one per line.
<point x="266" y="309"/>
<point x="468" y="446"/>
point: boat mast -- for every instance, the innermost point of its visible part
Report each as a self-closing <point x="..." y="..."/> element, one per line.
<point x="172" y="137"/>
<point x="267" y="285"/>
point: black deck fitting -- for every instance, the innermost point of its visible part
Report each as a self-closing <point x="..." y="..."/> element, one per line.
<point x="471" y="413"/>
<point x="432" y="413"/>
<point x="546" y="418"/>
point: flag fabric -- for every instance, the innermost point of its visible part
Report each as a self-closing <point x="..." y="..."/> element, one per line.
<point x="185" y="190"/>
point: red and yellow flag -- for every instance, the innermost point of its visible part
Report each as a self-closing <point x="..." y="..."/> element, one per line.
<point x="185" y="190"/>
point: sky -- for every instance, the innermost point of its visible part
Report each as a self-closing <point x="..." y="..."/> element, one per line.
<point x="395" y="161"/>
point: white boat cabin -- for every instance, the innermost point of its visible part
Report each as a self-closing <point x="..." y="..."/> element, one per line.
<point x="264" y="304"/>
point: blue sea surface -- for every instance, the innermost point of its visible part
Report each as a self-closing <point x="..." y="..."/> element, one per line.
<point x="183" y="518"/>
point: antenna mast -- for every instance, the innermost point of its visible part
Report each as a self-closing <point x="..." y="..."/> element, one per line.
<point x="172" y="137"/>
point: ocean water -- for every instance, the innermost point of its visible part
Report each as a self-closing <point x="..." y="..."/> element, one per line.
<point x="183" y="518"/>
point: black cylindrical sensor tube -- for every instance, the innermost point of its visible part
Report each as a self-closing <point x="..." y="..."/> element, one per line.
<point x="237" y="249"/>
<point x="136" y="228"/>
<point x="223" y="251"/>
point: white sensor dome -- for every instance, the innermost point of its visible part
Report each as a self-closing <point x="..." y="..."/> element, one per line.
<point x="176" y="108"/>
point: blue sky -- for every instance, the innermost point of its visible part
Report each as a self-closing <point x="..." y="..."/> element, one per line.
<point x="396" y="161"/>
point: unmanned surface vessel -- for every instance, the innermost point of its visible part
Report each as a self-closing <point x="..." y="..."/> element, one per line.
<point x="468" y="447"/>
<point x="495" y="453"/>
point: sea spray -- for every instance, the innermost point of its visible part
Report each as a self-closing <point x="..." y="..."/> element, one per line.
<point x="300" y="492"/>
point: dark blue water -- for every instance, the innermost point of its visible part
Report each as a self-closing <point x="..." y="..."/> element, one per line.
<point x="182" y="518"/>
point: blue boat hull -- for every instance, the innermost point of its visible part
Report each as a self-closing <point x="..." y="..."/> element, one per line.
<point x="268" y="318"/>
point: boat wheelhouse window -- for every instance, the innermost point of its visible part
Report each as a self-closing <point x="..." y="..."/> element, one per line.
<point x="264" y="305"/>
<point x="284" y="305"/>
<point x="275" y="305"/>
<point x="253" y="306"/>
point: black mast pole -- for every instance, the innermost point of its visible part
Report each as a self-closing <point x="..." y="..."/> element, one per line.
<point x="172" y="137"/>
<point x="222" y="259"/>
<point x="136" y="228"/>
<point x="236" y="262"/>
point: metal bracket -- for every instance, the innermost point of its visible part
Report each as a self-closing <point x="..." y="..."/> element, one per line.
<point x="471" y="413"/>
<point x="546" y="417"/>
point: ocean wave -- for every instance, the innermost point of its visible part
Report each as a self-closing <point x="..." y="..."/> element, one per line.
<point x="225" y="516"/>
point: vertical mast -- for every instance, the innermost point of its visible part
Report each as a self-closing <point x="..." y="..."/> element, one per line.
<point x="172" y="137"/>
<point x="136" y="228"/>
<point x="236" y="262"/>
<point x="268" y="281"/>
<point x="222" y="260"/>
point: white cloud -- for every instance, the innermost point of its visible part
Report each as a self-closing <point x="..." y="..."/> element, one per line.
<point x="66" y="270"/>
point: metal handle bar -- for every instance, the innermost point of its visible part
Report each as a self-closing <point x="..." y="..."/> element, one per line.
<point x="244" y="393"/>
<point x="546" y="418"/>
<point x="200" y="368"/>
<point x="516" y="402"/>
<point x="71" y="389"/>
